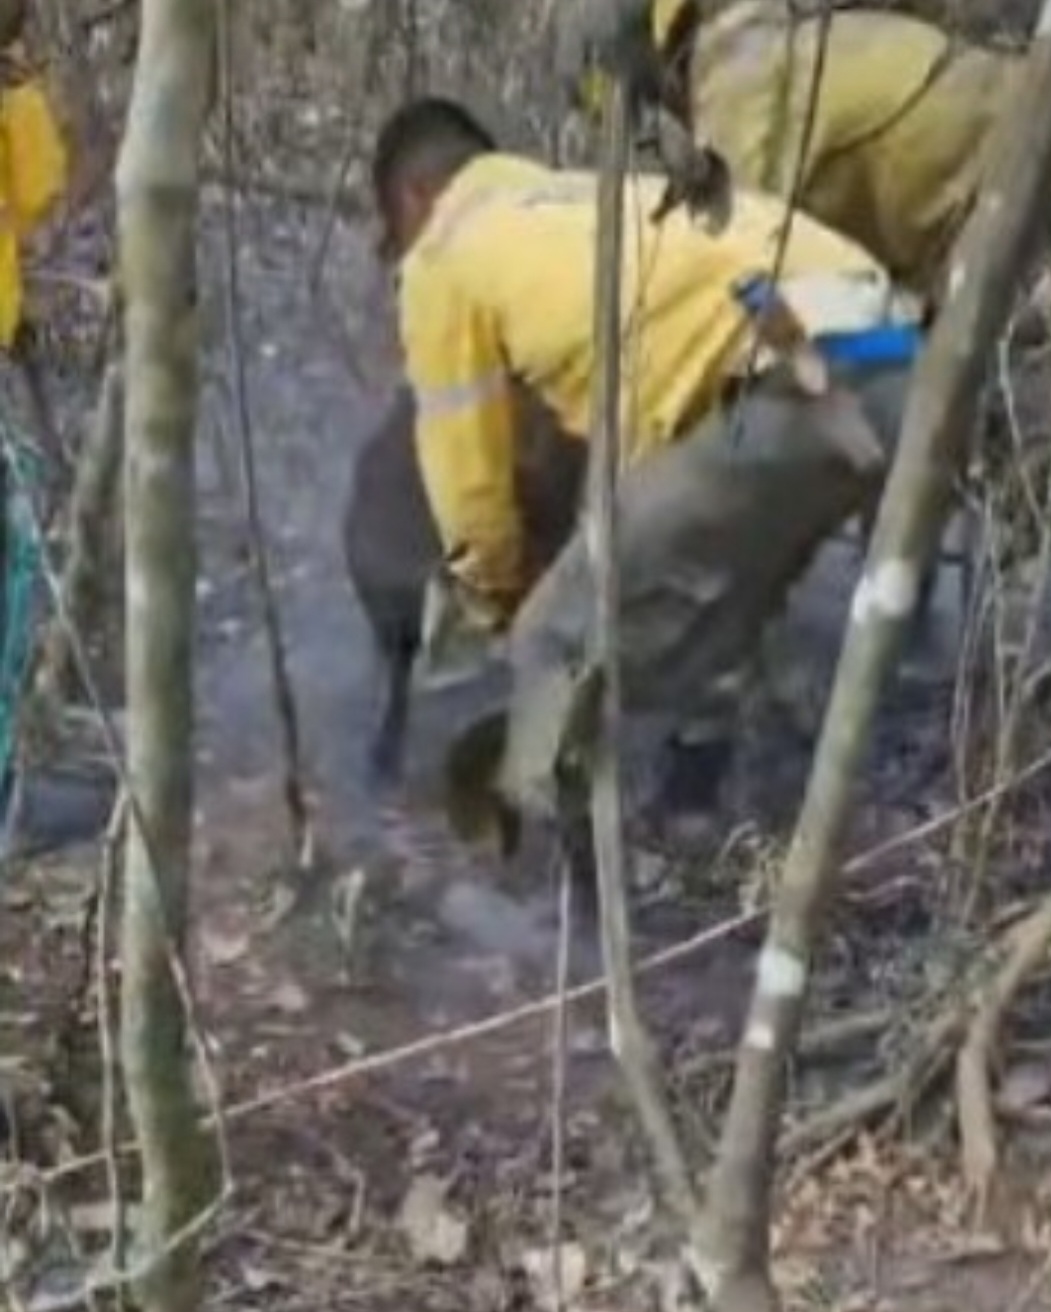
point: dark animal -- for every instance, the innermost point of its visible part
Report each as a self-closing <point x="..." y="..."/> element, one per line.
<point x="392" y="545"/>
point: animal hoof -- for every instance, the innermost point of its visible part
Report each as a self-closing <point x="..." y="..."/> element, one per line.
<point x="476" y="811"/>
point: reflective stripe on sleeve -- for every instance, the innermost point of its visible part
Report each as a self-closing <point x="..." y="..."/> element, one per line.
<point x="440" y="402"/>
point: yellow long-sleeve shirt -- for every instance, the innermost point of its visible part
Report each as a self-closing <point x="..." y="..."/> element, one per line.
<point x="33" y="174"/>
<point x="500" y="285"/>
<point x="900" y="135"/>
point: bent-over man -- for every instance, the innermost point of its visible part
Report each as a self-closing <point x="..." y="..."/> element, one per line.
<point x="732" y="478"/>
<point x="900" y="135"/>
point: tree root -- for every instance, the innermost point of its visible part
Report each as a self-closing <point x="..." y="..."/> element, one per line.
<point x="1026" y="946"/>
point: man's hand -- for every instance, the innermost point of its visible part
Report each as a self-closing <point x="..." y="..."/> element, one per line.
<point x="458" y="628"/>
<point x="611" y="35"/>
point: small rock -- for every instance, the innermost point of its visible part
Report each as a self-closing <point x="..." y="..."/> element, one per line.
<point x="590" y="1042"/>
<point x="97" y="1218"/>
<point x="628" y="1260"/>
<point x="424" y="1145"/>
<point x="258" y="1280"/>
<point x="1025" y="1086"/>
<point x="350" y="1045"/>
<point x="649" y="870"/>
<point x="435" y="1233"/>
<point x="224" y="949"/>
<point x="290" y="998"/>
<point x="539" y="1266"/>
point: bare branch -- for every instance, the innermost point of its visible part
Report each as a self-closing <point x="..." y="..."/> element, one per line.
<point x="629" y="1038"/>
<point x="1028" y="946"/>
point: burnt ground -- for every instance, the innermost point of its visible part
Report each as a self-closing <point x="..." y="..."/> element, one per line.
<point x="430" y="1180"/>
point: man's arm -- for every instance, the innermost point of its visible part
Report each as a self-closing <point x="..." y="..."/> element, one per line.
<point x="465" y="436"/>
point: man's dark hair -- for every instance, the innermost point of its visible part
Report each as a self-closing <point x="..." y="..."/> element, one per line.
<point x="429" y="137"/>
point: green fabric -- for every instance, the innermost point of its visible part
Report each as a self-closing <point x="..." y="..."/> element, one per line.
<point x="21" y="569"/>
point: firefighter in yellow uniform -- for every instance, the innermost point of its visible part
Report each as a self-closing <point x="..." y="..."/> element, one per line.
<point x="900" y="135"/>
<point x="732" y="481"/>
<point x="33" y="165"/>
<point x="33" y="174"/>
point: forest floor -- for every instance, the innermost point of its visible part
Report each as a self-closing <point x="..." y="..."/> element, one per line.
<point x="390" y="1140"/>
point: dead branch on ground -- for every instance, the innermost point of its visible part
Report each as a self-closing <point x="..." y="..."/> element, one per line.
<point x="1026" y="947"/>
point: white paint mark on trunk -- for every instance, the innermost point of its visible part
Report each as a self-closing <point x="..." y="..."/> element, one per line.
<point x="760" y="1036"/>
<point x="889" y="592"/>
<point x="614" y="1034"/>
<point x="781" y="973"/>
<point x="957" y="278"/>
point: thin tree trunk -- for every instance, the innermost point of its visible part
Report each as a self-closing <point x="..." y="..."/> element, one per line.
<point x="986" y="269"/>
<point x="629" y="1037"/>
<point x="157" y="191"/>
<point x="92" y="510"/>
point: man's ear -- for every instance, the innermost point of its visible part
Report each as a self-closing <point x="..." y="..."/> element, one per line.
<point x="383" y="247"/>
<point x="416" y="195"/>
<point x="389" y="216"/>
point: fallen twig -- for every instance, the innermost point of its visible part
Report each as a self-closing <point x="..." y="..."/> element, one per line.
<point x="828" y="1038"/>
<point x="1026" y="946"/>
<point x="1032" y="1289"/>
<point x="895" y="1093"/>
<point x="559" y="1071"/>
<point x="819" y="1042"/>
